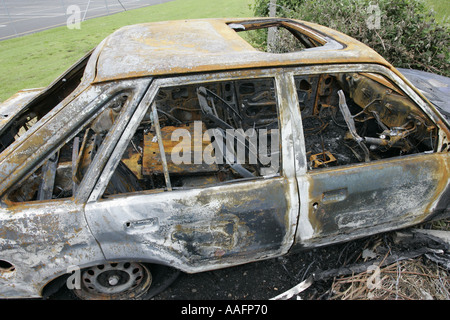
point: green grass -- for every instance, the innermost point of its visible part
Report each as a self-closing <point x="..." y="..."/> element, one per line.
<point x="441" y="8"/>
<point x="36" y="60"/>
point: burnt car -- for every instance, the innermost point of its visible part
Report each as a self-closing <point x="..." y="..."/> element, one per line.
<point x="179" y="146"/>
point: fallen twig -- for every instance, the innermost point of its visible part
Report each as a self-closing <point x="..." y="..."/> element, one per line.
<point x="295" y="290"/>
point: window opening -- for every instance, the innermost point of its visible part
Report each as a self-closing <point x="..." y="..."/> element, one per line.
<point x="211" y="133"/>
<point x="359" y="117"/>
<point x="61" y="174"/>
<point x="283" y="36"/>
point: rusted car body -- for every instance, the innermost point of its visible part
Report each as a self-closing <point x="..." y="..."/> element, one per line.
<point x="88" y="176"/>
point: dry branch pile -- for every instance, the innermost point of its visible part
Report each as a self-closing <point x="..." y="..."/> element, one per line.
<point x="413" y="265"/>
<point x="413" y="279"/>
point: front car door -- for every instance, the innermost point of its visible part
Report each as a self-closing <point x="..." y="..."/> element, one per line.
<point x="203" y="175"/>
<point x="375" y="156"/>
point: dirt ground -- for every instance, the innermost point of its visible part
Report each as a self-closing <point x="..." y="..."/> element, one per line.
<point x="416" y="278"/>
<point x="256" y="281"/>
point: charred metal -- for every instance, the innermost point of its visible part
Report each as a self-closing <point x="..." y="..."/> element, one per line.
<point x="191" y="149"/>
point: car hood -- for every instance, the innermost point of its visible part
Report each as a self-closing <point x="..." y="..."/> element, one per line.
<point x="436" y="88"/>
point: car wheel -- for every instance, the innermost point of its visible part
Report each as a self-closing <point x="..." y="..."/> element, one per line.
<point x="115" y="281"/>
<point x="119" y="281"/>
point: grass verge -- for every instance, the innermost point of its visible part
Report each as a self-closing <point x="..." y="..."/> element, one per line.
<point x="442" y="9"/>
<point x="36" y="60"/>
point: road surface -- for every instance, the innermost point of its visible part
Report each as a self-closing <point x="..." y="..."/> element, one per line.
<point x="21" y="17"/>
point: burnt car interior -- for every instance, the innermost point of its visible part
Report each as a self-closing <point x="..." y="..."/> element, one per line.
<point x="206" y="113"/>
<point x="347" y="118"/>
<point x="359" y="117"/>
<point x="63" y="171"/>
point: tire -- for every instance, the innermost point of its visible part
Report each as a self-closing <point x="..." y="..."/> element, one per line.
<point x="117" y="281"/>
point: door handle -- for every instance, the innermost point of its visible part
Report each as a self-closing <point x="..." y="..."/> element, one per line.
<point x="144" y="225"/>
<point x="334" y="195"/>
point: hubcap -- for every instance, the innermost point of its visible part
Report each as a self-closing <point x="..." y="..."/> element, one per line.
<point x="122" y="280"/>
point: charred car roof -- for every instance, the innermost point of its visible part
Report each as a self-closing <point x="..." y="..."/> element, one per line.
<point x="188" y="46"/>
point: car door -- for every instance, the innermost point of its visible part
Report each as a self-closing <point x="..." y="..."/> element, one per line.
<point x="151" y="204"/>
<point x="345" y="194"/>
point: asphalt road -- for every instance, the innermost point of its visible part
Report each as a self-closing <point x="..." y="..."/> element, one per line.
<point x="21" y="17"/>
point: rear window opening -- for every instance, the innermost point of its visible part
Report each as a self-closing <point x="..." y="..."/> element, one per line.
<point x="278" y="36"/>
<point x="42" y="104"/>
<point x="62" y="173"/>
